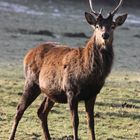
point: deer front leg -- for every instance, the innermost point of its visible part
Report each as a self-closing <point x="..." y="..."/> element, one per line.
<point x="73" y="105"/>
<point x="89" y="105"/>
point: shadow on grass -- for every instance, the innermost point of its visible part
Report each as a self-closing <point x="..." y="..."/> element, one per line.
<point x="123" y="105"/>
<point x="65" y="138"/>
<point x="37" y="137"/>
<point x="124" y="138"/>
<point x="134" y="101"/>
<point x="55" y="111"/>
<point x="14" y="104"/>
<point x="34" y="136"/>
<point x="124" y="114"/>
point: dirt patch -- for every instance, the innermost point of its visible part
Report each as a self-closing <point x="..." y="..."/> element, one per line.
<point x="79" y="35"/>
<point x="137" y="36"/>
<point x="30" y="32"/>
<point x="127" y="105"/>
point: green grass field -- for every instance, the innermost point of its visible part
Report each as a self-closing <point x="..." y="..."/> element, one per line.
<point x="117" y="110"/>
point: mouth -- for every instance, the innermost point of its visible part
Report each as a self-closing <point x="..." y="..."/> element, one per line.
<point x="106" y="42"/>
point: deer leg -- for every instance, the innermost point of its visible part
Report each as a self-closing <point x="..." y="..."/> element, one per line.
<point x="31" y="92"/>
<point x="73" y="105"/>
<point x="89" y="105"/>
<point x="43" y="112"/>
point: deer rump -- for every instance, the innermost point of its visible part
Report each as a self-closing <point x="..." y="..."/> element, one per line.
<point x="57" y="69"/>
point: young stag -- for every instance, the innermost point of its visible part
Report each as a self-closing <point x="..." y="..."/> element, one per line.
<point x="65" y="74"/>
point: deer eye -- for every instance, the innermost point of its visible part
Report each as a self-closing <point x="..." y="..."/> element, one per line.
<point x="97" y="26"/>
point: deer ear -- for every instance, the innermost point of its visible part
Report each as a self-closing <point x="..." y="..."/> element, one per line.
<point x="90" y="18"/>
<point x="120" y="19"/>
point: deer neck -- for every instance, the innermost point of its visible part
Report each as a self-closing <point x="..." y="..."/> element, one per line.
<point x="98" y="56"/>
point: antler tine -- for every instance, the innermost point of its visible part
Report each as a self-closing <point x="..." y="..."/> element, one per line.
<point x="101" y="11"/>
<point x="91" y="7"/>
<point x="116" y="9"/>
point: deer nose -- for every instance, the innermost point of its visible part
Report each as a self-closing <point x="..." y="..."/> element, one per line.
<point x="105" y="36"/>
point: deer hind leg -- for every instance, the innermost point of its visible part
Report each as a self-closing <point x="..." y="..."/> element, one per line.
<point x="89" y="105"/>
<point x="31" y="92"/>
<point x="43" y="112"/>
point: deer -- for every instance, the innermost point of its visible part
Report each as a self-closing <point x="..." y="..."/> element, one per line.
<point x="67" y="74"/>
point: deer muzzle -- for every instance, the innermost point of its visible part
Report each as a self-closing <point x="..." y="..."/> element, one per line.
<point x="105" y="36"/>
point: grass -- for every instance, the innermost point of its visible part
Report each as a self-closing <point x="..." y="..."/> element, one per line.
<point x="117" y="110"/>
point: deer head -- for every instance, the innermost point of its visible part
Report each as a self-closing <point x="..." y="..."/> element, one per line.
<point x="104" y="26"/>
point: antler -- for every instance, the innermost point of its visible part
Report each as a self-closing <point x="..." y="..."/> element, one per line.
<point x="91" y="7"/>
<point x="99" y="13"/>
<point x="116" y="9"/>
